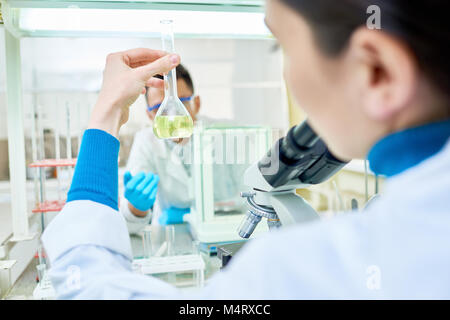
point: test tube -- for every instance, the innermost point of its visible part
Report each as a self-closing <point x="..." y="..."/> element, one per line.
<point x="41" y="155"/>
<point x="170" y="239"/>
<point x="339" y="197"/>
<point x="69" y="139"/>
<point x="34" y="149"/>
<point x="195" y="247"/>
<point x="41" y="272"/>
<point x="57" y="151"/>
<point x="80" y="127"/>
<point x="147" y="242"/>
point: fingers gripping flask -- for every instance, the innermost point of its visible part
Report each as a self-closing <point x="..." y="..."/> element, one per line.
<point x="172" y="120"/>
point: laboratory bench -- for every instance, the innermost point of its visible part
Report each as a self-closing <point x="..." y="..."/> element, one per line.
<point x="26" y="275"/>
<point x="183" y="244"/>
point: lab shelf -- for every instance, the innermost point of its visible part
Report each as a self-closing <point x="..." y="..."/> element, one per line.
<point x="80" y="18"/>
<point x="53" y="163"/>
<point x="50" y="206"/>
<point x="133" y="3"/>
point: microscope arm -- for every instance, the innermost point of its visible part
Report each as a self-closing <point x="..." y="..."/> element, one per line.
<point x="292" y="209"/>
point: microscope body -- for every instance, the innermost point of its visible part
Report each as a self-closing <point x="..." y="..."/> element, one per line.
<point x="296" y="161"/>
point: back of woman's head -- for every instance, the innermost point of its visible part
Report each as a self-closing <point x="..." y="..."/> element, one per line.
<point x="423" y="25"/>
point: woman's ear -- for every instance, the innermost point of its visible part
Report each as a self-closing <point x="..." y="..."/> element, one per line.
<point x="386" y="72"/>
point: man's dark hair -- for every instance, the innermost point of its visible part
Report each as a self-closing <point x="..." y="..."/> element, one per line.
<point x="182" y="73"/>
<point x="423" y="25"/>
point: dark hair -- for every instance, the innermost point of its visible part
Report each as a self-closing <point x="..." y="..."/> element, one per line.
<point x="422" y="25"/>
<point x="182" y="73"/>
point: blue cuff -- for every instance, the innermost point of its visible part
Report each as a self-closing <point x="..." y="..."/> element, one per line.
<point x="173" y="216"/>
<point x="96" y="173"/>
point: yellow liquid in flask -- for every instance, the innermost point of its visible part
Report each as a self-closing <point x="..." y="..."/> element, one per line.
<point x="167" y="127"/>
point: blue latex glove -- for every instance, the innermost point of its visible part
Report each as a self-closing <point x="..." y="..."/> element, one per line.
<point x="173" y="215"/>
<point x="141" y="189"/>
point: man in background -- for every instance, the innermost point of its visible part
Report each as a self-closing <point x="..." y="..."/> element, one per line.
<point x="158" y="179"/>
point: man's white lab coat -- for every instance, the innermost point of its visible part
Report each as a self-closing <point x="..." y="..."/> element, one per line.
<point x="171" y="162"/>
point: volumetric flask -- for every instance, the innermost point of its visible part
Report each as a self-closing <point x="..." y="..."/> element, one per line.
<point x="172" y="120"/>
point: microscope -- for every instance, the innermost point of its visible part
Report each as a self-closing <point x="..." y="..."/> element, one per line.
<point x="296" y="161"/>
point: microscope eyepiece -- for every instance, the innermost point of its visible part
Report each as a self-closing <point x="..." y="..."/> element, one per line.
<point x="297" y="143"/>
<point x="304" y="136"/>
<point x="295" y="154"/>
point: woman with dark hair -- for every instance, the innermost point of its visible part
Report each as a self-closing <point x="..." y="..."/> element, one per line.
<point x="376" y="93"/>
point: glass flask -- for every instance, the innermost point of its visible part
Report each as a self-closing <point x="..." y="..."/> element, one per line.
<point x="172" y="120"/>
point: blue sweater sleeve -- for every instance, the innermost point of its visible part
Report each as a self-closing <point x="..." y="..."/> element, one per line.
<point x="96" y="171"/>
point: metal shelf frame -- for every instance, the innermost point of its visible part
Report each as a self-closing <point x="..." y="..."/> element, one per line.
<point x="11" y="12"/>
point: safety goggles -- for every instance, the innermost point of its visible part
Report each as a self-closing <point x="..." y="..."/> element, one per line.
<point x="156" y="106"/>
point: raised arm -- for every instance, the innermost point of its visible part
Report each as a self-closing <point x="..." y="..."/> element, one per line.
<point x="87" y="243"/>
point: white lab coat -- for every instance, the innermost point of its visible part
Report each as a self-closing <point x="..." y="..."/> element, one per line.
<point x="165" y="158"/>
<point x="173" y="163"/>
<point x="397" y="249"/>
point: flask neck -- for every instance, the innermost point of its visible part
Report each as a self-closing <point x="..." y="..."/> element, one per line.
<point x="170" y="84"/>
<point x="170" y="78"/>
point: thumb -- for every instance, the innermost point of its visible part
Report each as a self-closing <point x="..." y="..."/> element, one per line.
<point x="126" y="178"/>
<point x="160" y="66"/>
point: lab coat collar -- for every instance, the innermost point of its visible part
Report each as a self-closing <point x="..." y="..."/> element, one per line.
<point x="405" y="149"/>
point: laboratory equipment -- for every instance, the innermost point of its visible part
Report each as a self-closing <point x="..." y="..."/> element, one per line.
<point x="48" y="156"/>
<point x="222" y="153"/>
<point x="44" y="290"/>
<point x="170" y="239"/>
<point x="40" y="271"/>
<point x="296" y="161"/>
<point x="226" y="252"/>
<point x="51" y="192"/>
<point x="166" y="256"/>
<point x="191" y="263"/>
<point x="172" y="120"/>
<point x="147" y="241"/>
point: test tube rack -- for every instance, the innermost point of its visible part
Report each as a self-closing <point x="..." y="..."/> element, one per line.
<point x="58" y="165"/>
<point x="51" y="205"/>
<point x="61" y="165"/>
<point x="172" y="264"/>
<point x="44" y="290"/>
